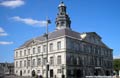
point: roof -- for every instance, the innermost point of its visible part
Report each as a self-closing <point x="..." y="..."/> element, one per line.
<point x="55" y="34"/>
<point x="64" y="32"/>
<point x="61" y="4"/>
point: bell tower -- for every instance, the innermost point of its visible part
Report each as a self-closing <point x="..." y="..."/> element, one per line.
<point x="63" y="20"/>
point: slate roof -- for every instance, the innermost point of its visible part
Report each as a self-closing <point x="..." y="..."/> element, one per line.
<point x="55" y="34"/>
<point x="60" y="33"/>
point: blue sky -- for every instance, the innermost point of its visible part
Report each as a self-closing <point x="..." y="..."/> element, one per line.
<point x="21" y="20"/>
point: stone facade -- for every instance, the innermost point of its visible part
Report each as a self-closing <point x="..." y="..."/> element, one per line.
<point x="87" y="57"/>
<point x="70" y="54"/>
<point x="23" y="63"/>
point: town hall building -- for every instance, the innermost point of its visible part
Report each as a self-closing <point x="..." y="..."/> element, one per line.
<point x="70" y="54"/>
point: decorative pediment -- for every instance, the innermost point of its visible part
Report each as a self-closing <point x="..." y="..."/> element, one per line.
<point x="30" y="43"/>
<point x="33" y="42"/>
<point x="92" y="37"/>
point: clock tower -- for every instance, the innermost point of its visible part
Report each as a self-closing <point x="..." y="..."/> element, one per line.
<point x="63" y="20"/>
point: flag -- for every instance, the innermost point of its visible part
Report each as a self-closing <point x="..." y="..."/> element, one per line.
<point x="48" y="21"/>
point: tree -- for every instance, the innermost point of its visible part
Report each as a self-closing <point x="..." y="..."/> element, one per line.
<point x="116" y="65"/>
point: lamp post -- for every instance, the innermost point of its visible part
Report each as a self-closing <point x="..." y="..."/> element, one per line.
<point x="46" y="35"/>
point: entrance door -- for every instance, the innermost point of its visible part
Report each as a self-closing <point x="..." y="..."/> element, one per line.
<point x="51" y="73"/>
<point x="107" y="73"/>
<point x="33" y="73"/>
<point x="78" y="73"/>
<point x="21" y="73"/>
<point x="96" y="72"/>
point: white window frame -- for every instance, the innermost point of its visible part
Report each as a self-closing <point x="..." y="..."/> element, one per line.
<point x="59" y="45"/>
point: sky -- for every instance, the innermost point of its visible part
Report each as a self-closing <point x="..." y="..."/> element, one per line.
<point x="21" y="20"/>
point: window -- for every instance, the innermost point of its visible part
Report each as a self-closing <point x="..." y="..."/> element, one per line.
<point x="16" y="54"/>
<point x="44" y="71"/>
<point x="33" y="50"/>
<point x="72" y="72"/>
<point x="68" y="72"/>
<point x="57" y="23"/>
<point x="68" y="59"/>
<point x="51" y="47"/>
<point x="24" y="71"/>
<point x="89" y="49"/>
<point x="16" y="63"/>
<point x="72" y="60"/>
<point x="28" y="71"/>
<point x="16" y="71"/>
<point x="51" y="60"/>
<point x="25" y="52"/>
<point x="59" y="60"/>
<point x="39" y="49"/>
<point x="76" y="46"/>
<point x="44" y="61"/>
<point x="39" y="61"/>
<point x="20" y="53"/>
<point x="59" y="71"/>
<point x="38" y="71"/>
<point x="25" y="63"/>
<point x="28" y="63"/>
<point x="62" y="23"/>
<point x="33" y="64"/>
<point x="28" y="51"/>
<point x="99" y="51"/>
<point x="82" y="47"/>
<point x="20" y="63"/>
<point x="78" y="61"/>
<point x="59" y="45"/>
<point x="44" y="48"/>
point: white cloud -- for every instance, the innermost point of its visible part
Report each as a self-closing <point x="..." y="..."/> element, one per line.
<point x="12" y="3"/>
<point x="29" y="21"/>
<point x="5" y="43"/>
<point x="116" y="57"/>
<point x="2" y="32"/>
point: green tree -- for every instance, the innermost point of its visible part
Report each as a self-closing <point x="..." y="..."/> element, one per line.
<point x="116" y="65"/>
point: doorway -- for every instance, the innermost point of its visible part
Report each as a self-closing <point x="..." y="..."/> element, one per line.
<point x="107" y="73"/>
<point x="33" y="73"/>
<point x="20" y="72"/>
<point x="51" y="73"/>
<point x="96" y="72"/>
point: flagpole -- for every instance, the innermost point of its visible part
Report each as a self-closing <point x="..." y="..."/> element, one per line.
<point x="47" y="65"/>
<point x="47" y="50"/>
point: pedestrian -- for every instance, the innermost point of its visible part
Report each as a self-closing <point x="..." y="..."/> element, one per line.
<point x="40" y="76"/>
